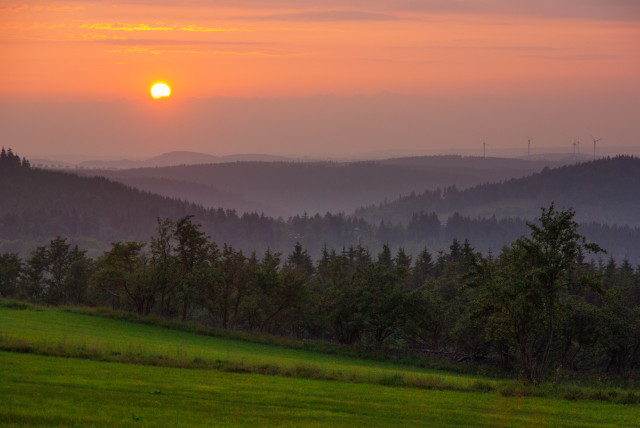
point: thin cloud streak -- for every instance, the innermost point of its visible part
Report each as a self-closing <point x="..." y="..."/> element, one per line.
<point x="583" y="57"/>
<point x="41" y="8"/>
<point x="327" y="16"/>
<point x="13" y="9"/>
<point x="125" y="27"/>
<point x="399" y="61"/>
<point x="597" y="10"/>
<point x="210" y="29"/>
<point x="118" y="26"/>
<point x="495" y="47"/>
<point x="161" y="42"/>
<point x="66" y="8"/>
<point x="146" y="50"/>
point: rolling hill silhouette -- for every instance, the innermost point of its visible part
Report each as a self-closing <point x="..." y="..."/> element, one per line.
<point x="605" y="190"/>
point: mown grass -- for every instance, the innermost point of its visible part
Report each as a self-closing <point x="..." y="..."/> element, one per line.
<point x="53" y="391"/>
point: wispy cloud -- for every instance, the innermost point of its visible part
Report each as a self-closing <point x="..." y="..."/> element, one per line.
<point x="119" y="26"/>
<point x="165" y="42"/>
<point x="598" y="10"/>
<point x="583" y="57"/>
<point x="13" y="9"/>
<point x="398" y="61"/>
<point x="18" y="26"/>
<point x="81" y="37"/>
<point x="479" y="47"/>
<point x="211" y="29"/>
<point x="128" y="50"/>
<point x="92" y="37"/>
<point x="40" y="8"/>
<point x="147" y="50"/>
<point x="327" y="16"/>
<point x="601" y="10"/>
<point x="257" y="53"/>
<point x="519" y="48"/>
<point x="54" y="8"/>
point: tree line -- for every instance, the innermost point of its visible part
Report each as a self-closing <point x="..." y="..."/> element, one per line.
<point x="537" y="307"/>
<point x="8" y="159"/>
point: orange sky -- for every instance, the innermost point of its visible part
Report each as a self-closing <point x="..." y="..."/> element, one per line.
<point x="111" y="50"/>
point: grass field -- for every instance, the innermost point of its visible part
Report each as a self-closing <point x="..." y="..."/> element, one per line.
<point x="53" y="391"/>
<point x="49" y="329"/>
<point x="48" y="390"/>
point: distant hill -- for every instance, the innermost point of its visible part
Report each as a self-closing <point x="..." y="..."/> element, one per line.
<point x="202" y="194"/>
<point x="477" y="162"/>
<point x="606" y="191"/>
<point x="563" y="158"/>
<point x="318" y="187"/>
<point x="36" y="205"/>
<point x="176" y="158"/>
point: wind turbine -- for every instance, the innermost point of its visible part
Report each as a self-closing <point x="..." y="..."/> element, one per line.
<point x="484" y="146"/>
<point x="529" y="140"/>
<point x="595" y="140"/>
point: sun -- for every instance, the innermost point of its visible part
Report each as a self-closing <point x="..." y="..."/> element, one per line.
<point x="160" y="90"/>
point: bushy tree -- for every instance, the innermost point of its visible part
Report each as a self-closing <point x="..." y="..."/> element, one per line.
<point x="56" y="274"/>
<point x="226" y="287"/>
<point x="124" y="273"/>
<point x="193" y="252"/>
<point x="527" y="284"/>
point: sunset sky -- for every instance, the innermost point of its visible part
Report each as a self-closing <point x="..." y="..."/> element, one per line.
<point x="330" y="78"/>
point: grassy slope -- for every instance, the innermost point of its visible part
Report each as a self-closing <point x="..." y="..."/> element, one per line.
<point x="50" y="328"/>
<point x="51" y="391"/>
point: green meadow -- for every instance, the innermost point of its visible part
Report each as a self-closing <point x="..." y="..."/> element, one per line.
<point x="54" y="331"/>
<point x="67" y="369"/>
<point x="58" y="391"/>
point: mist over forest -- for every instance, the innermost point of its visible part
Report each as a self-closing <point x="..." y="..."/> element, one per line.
<point x="249" y="204"/>
<point x="295" y="188"/>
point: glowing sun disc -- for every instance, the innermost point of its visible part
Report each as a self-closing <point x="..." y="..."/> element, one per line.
<point x="160" y="90"/>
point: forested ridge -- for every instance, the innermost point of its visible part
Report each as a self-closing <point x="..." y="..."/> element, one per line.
<point x="201" y="194"/>
<point x="37" y="205"/>
<point x="318" y="187"/>
<point x="603" y="191"/>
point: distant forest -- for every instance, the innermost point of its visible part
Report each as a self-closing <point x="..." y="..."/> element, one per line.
<point x="603" y="191"/>
<point x="290" y="188"/>
<point x="37" y="205"/>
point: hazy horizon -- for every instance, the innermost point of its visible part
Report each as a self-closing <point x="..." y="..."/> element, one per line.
<point x="501" y="152"/>
<point x="330" y="127"/>
<point x="332" y="80"/>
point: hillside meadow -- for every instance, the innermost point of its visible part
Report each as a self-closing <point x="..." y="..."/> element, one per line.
<point x="65" y="333"/>
<point x="53" y="391"/>
<point x="71" y="369"/>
